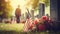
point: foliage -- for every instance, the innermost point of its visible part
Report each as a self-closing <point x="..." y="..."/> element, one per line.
<point x="34" y="3"/>
<point x="5" y="9"/>
<point x="46" y="2"/>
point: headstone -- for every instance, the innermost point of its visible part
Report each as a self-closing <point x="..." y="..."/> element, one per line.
<point x="41" y="9"/>
<point x="53" y="10"/>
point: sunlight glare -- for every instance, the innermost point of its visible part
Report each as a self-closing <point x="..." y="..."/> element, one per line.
<point x="15" y="3"/>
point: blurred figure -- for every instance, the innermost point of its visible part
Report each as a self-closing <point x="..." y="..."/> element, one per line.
<point x="18" y="14"/>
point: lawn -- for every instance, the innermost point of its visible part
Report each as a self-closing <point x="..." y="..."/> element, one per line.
<point x="11" y="27"/>
<point x="17" y="29"/>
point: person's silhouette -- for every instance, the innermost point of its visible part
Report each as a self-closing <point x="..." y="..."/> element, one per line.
<point x="18" y="14"/>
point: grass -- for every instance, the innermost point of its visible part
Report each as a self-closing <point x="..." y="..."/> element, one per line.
<point x="11" y="27"/>
<point x="17" y="29"/>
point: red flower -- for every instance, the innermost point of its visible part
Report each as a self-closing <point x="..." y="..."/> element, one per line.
<point x="44" y="17"/>
<point x="41" y="27"/>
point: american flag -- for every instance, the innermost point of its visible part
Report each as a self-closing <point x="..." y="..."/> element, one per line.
<point x="27" y="25"/>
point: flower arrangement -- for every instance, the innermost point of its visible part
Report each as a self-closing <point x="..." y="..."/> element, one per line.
<point x="37" y="24"/>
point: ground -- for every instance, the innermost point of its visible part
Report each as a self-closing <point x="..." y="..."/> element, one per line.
<point x="17" y="29"/>
<point x="11" y="27"/>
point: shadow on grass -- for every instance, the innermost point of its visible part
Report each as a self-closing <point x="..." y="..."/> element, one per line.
<point x="18" y="32"/>
<point x="12" y="32"/>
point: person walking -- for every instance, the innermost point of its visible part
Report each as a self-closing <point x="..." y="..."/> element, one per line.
<point x="18" y="14"/>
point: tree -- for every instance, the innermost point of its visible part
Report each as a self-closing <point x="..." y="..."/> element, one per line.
<point x="5" y="9"/>
<point x="34" y="3"/>
<point x="46" y="2"/>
